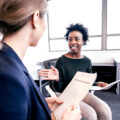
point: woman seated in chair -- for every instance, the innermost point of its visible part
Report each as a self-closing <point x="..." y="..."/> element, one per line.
<point x="67" y="65"/>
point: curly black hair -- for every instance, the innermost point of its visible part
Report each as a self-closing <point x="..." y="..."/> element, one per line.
<point x="77" y="27"/>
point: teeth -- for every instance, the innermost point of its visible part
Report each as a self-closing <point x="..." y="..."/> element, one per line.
<point x="73" y="46"/>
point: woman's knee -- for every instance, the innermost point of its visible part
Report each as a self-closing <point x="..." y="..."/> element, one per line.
<point x="88" y="112"/>
<point x="104" y="112"/>
<point x="102" y="109"/>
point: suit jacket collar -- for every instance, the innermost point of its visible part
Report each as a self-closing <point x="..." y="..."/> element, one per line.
<point x="9" y="51"/>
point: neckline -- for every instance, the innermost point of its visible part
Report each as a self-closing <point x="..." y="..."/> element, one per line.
<point x="74" y="58"/>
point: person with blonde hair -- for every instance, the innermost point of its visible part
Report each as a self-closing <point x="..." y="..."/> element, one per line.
<point x="22" y="25"/>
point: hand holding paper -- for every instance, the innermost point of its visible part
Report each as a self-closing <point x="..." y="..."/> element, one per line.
<point x="74" y="92"/>
<point x="104" y="88"/>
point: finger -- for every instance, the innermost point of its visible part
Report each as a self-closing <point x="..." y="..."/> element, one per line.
<point x="53" y="68"/>
<point x="54" y="100"/>
<point x="44" y="70"/>
<point x="46" y="78"/>
<point x="43" y="74"/>
<point x="71" y="108"/>
<point x="105" y="84"/>
<point x="57" y="100"/>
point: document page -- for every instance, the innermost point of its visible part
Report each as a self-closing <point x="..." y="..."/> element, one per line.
<point x="74" y="92"/>
<point x="104" y="88"/>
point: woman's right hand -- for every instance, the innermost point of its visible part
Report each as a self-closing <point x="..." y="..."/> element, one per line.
<point x="49" y="74"/>
<point x="72" y="113"/>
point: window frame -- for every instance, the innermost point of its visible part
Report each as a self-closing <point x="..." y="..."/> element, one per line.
<point x="103" y="35"/>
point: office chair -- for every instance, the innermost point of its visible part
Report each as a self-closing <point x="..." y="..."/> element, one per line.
<point x="46" y="65"/>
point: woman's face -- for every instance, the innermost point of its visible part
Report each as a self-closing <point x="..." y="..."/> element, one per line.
<point x="75" y="41"/>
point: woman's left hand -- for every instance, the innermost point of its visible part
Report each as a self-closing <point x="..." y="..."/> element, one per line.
<point x="52" y="100"/>
<point x="102" y="84"/>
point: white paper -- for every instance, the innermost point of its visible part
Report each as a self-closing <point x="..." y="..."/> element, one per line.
<point x="104" y="88"/>
<point x="74" y="92"/>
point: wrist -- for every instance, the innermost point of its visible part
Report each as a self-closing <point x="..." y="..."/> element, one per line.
<point x="57" y="79"/>
<point x="53" y="116"/>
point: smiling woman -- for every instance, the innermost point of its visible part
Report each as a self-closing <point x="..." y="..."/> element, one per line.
<point x="71" y="62"/>
<point x="77" y="35"/>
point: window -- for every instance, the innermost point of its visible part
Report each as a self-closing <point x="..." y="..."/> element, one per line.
<point x="113" y="24"/>
<point x="92" y="14"/>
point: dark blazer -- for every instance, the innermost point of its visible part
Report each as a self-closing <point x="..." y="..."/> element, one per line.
<point x="20" y="98"/>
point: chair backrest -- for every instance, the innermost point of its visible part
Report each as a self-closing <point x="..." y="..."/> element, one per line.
<point x="48" y="63"/>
